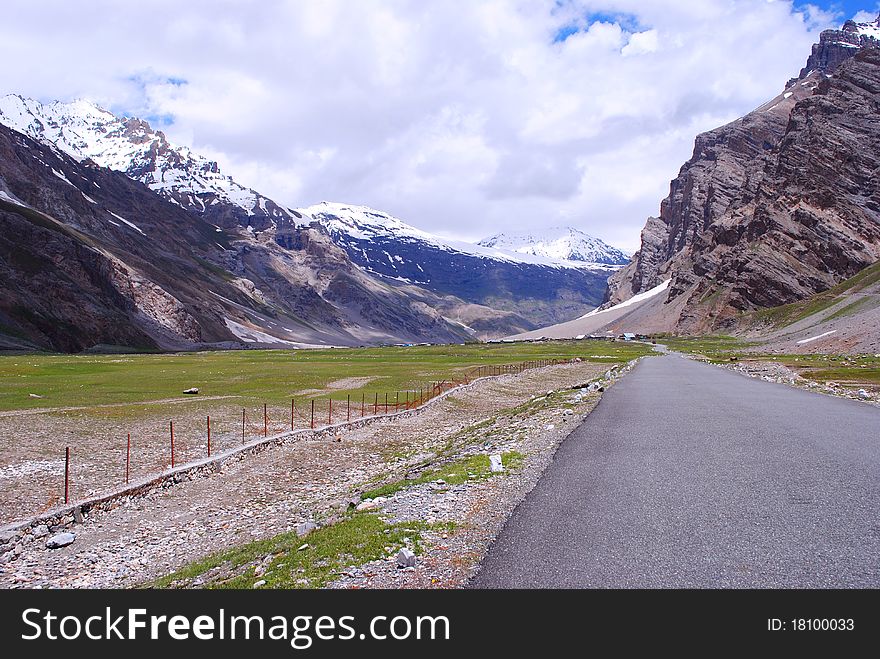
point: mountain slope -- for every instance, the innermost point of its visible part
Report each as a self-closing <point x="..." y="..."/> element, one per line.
<point x="129" y="145"/>
<point x="843" y="319"/>
<point x="89" y="256"/>
<point x="772" y="208"/>
<point x="560" y="244"/>
<point x="538" y="289"/>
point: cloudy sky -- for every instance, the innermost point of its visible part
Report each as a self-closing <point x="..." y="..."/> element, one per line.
<point x="462" y="117"/>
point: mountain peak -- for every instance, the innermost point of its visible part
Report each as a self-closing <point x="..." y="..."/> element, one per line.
<point x="559" y="243"/>
<point x="837" y="46"/>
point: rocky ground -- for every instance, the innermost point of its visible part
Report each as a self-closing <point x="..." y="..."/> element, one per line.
<point x="779" y="373"/>
<point x="314" y="480"/>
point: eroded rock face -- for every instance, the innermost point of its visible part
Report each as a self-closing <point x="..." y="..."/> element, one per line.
<point x="773" y="207"/>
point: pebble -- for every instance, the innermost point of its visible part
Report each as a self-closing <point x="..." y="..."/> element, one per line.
<point x="405" y="558"/>
<point x="60" y="540"/>
<point x="303" y="529"/>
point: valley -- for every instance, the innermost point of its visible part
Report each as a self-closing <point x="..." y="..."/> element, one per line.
<point x="205" y="387"/>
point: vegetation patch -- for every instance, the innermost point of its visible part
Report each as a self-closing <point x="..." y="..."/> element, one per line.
<point x="853" y="308"/>
<point x="288" y="561"/>
<point x="705" y="345"/>
<point x="474" y="467"/>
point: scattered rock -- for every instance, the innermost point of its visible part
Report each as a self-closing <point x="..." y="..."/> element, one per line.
<point x="864" y="395"/>
<point x="303" y="529"/>
<point x="6" y="536"/>
<point x="405" y="558"/>
<point x="78" y="515"/>
<point x="192" y="390"/>
<point x="34" y="395"/>
<point x="259" y="584"/>
<point x="40" y="531"/>
<point x="303" y="547"/>
<point x="495" y="464"/>
<point x="369" y="504"/>
<point x="60" y="540"/>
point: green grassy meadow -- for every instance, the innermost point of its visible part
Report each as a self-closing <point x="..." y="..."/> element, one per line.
<point x="258" y="376"/>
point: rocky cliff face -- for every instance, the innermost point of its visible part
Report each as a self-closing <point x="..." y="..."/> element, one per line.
<point x="771" y="208"/>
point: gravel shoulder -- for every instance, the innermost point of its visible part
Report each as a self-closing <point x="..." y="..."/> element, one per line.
<point x="314" y="480"/>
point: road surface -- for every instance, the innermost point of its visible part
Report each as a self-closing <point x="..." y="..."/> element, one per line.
<point x="688" y="475"/>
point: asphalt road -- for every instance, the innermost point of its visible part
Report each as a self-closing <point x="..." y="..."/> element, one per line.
<point x="688" y="475"/>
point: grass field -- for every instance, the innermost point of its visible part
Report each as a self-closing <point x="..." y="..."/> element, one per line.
<point x="271" y="376"/>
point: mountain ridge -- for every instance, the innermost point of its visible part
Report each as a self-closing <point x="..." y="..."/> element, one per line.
<point x="772" y="208"/>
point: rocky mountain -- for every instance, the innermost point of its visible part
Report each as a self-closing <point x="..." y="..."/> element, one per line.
<point x="559" y="244"/>
<point x="90" y="257"/>
<point x="773" y="207"/>
<point x="536" y="289"/>
<point x="837" y="46"/>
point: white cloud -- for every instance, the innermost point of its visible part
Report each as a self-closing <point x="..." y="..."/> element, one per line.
<point x="866" y="16"/>
<point x="461" y="117"/>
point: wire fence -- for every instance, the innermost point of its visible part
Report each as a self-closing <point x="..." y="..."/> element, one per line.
<point x="186" y="440"/>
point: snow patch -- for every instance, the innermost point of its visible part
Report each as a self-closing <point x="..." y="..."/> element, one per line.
<point x="12" y="200"/>
<point x="62" y="177"/>
<point x="815" y="338"/>
<point x="131" y="224"/>
<point x="250" y="335"/>
<point x="635" y="299"/>
<point x="365" y="224"/>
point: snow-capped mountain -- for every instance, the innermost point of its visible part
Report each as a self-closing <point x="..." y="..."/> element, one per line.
<point x="559" y="244"/>
<point x="129" y="145"/>
<point x="535" y="286"/>
<point x="347" y="223"/>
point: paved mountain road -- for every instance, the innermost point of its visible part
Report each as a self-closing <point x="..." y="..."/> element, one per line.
<point x="688" y="475"/>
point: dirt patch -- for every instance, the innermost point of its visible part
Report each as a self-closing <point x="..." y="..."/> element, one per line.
<point x="339" y="385"/>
